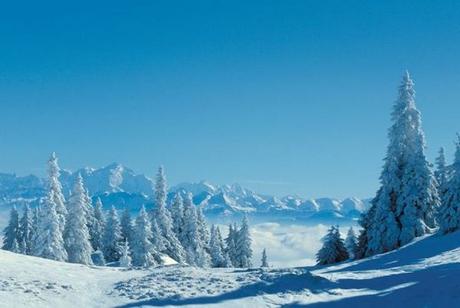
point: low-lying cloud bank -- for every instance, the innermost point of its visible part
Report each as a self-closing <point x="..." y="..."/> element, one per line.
<point x="287" y="246"/>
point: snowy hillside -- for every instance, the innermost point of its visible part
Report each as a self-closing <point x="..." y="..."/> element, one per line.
<point x="122" y="187"/>
<point x="422" y="274"/>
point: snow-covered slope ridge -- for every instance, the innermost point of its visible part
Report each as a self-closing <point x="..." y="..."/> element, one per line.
<point x="423" y="274"/>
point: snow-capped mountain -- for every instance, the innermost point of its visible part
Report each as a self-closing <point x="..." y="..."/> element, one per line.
<point x="122" y="187"/>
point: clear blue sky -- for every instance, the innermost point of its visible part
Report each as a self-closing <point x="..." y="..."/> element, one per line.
<point x="280" y="96"/>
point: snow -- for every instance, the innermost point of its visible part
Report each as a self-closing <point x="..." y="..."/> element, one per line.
<point x="423" y="273"/>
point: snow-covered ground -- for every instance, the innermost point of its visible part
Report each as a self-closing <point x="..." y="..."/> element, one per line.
<point x="425" y="273"/>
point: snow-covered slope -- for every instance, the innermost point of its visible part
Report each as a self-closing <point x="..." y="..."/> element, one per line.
<point x="423" y="274"/>
<point x="122" y="187"/>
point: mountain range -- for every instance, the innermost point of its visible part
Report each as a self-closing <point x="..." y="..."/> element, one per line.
<point x="122" y="187"/>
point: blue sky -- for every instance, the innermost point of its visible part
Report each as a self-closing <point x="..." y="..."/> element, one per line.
<point x="280" y="96"/>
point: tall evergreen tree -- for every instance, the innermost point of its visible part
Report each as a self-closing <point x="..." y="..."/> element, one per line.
<point x="243" y="245"/>
<point x="217" y="255"/>
<point x="112" y="240"/>
<point x="56" y="187"/>
<point x="143" y="252"/>
<point x="333" y="249"/>
<point x="173" y="247"/>
<point x="125" y="259"/>
<point x="127" y="227"/>
<point x="351" y="243"/>
<point x="76" y="234"/>
<point x="231" y="245"/>
<point x="177" y="215"/>
<point x="48" y="241"/>
<point x="442" y="173"/>
<point x="227" y="261"/>
<point x="405" y="204"/>
<point x="449" y="212"/>
<point x="195" y="249"/>
<point x="26" y="231"/>
<point x="96" y="230"/>
<point x="264" y="261"/>
<point x="157" y="239"/>
<point x="11" y="234"/>
<point x="203" y="228"/>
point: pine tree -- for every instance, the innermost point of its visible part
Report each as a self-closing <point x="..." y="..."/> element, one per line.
<point x="226" y="258"/>
<point x="48" y="241"/>
<point x="76" y="234"/>
<point x="112" y="239"/>
<point x="351" y="243"/>
<point x="89" y="212"/>
<point x="11" y="234"/>
<point x="173" y="247"/>
<point x="203" y="228"/>
<point x="26" y="231"/>
<point x="217" y="256"/>
<point x="157" y="239"/>
<point x="442" y="173"/>
<point x="125" y="259"/>
<point x="243" y="245"/>
<point x="406" y="202"/>
<point x="35" y="226"/>
<point x="264" y="261"/>
<point x="231" y="245"/>
<point x="449" y="212"/>
<point x="333" y="249"/>
<point x="96" y="231"/>
<point x="177" y="215"/>
<point x="195" y="250"/>
<point x="56" y="187"/>
<point x="143" y="252"/>
<point x="127" y="227"/>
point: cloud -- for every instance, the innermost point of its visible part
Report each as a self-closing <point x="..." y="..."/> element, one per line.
<point x="293" y="245"/>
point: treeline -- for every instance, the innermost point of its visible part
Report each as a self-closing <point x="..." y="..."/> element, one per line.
<point x="77" y="231"/>
<point x="412" y="199"/>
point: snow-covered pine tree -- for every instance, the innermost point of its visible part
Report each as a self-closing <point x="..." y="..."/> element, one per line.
<point x="35" y="220"/>
<point x="442" y="173"/>
<point x="243" y="245"/>
<point x="351" y="243"/>
<point x="89" y="211"/>
<point x="231" y="245"/>
<point x="449" y="212"/>
<point x="76" y="234"/>
<point x="157" y="239"/>
<point x="56" y="187"/>
<point x="143" y="252"/>
<point x="227" y="261"/>
<point x="264" y="261"/>
<point x="127" y="227"/>
<point x="48" y="240"/>
<point x="125" y="259"/>
<point x="112" y="240"/>
<point x="173" y="247"/>
<point x="11" y="234"/>
<point x="202" y="228"/>
<point x="177" y="215"/>
<point x="96" y="232"/>
<point x="26" y="231"/>
<point x="405" y="204"/>
<point x="333" y="249"/>
<point x="192" y="242"/>
<point x="217" y="256"/>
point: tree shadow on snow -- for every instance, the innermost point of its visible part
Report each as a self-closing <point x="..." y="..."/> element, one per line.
<point x="420" y="288"/>
<point x="289" y="282"/>
<point x="409" y="254"/>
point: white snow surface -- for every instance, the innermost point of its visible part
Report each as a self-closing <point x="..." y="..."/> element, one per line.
<point x="423" y="274"/>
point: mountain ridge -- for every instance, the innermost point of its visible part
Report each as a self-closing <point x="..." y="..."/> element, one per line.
<point x="120" y="186"/>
